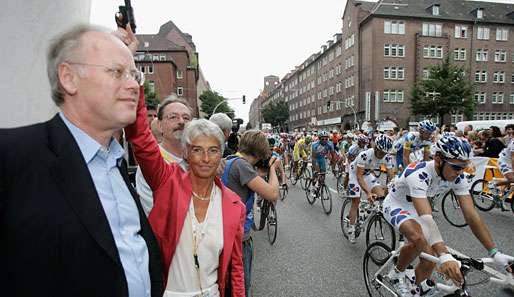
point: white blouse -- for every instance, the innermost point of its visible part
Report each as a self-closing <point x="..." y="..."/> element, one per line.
<point x="183" y="275"/>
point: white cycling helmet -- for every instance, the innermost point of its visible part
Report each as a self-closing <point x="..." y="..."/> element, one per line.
<point x="384" y="143"/>
<point x="427" y="125"/>
<point x="452" y="147"/>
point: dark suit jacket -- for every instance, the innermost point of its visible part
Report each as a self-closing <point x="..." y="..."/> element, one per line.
<point x="55" y="239"/>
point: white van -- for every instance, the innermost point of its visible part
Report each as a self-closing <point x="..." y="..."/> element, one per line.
<point x="481" y="125"/>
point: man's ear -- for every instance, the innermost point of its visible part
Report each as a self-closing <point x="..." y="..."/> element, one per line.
<point x="67" y="78"/>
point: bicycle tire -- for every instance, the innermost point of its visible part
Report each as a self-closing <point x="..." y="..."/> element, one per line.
<point x="308" y="192"/>
<point x="306" y="175"/>
<point x="482" y="199"/>
<point x="264" y="214"/>
<point x="326" y="199"/>
<point x="375" y="257"/>
<point x="512" y="204"/>
<point x="345" y="217"/>
<point x="283" y="192"/>
<point x="379" y="230"/>
<point x="452" y="211"/>
<point x="272" y="224"/>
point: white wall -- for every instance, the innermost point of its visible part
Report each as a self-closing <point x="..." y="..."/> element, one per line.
<point x="26" y="26"/>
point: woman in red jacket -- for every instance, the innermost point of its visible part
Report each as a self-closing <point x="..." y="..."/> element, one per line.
<point x="198" y="222"/>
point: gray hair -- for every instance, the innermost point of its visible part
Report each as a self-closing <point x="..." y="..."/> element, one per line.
<point x="202" y="127"/>
<point x="222" y="120"/>
<point x="62" y="48"/>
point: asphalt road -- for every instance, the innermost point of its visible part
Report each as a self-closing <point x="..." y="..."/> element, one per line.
<point x="311" y="257"/>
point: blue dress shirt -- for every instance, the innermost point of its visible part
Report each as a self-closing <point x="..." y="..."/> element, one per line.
<point x="119" y="207"/>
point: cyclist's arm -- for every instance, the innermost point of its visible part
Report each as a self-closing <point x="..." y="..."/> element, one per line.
<point x="423" y="207"/>
<point x="390" y="174"/>
<point x="426" y="153"/>
<point x="475" y="222"/>
<point x="315" y="165"/>
<point x="406" y="154"/>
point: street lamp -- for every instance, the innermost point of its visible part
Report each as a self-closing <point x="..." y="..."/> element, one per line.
<point x="347" y="105"/>
<point x="225" y="100"/>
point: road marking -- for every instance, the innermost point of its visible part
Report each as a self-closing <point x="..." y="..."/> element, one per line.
<point x="487" y="269"/>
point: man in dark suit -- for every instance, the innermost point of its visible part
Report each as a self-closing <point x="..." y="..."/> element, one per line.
<point x="70" y="223"/>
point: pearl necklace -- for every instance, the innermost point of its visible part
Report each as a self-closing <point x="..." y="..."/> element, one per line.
<point x="201" y="197"/>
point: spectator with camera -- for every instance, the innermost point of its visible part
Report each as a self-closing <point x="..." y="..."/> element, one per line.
<point x="240" y="175"/>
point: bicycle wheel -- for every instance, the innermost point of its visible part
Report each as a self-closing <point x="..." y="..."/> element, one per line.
<point x="452" y="211"/>
<point x="326" y="199"/>
<point x="482" y="196"/>
<point x="309" y="190"/>
<point x="306" y="176"/>
<point x="375" y="258"/>
<point x="272" y="223"/>
<point x="264" y="213"/>
<point x="345" y="216"/>
<point x="283" y="192"/>
<point x="379" y="230"/>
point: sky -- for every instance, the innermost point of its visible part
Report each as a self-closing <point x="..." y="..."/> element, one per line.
<point x="239" y="42"/>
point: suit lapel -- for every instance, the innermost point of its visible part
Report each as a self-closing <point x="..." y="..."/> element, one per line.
<point x="72" y="176"/>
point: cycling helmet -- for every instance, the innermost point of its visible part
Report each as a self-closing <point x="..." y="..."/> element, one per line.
<point x="308" y="139"/>
<point x="353" y="151"/>
<point x="427" y="125"/>
<point x="323" y="134"/>
<point x="452" y="147"/>
<point x="362" y="138"/>
<point x="384" y="143"/>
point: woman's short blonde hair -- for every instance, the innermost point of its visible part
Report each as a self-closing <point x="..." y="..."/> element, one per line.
<point x="254" y="143"/>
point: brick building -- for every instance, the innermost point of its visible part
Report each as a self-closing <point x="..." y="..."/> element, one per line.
<point x="368" y="71"/>
<point x="170" y="63"/>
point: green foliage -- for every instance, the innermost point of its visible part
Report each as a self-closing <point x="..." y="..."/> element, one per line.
<point x="210" y="100"/>
<point x="276" y="113"/>
<point x="151" y="97"/>
<point x="454" y="92"/>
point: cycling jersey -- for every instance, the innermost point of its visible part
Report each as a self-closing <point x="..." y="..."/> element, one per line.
<point x="411" y="141"/>
<point x="322" y="150"/>
<point x="418" y="180"/>
<point x="299" y="150"/>
<point x="505" y="158"/>
<point x="369" y="162"/>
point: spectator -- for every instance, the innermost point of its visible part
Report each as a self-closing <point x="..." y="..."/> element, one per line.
<point x="497" y="133"/>
<point x="467" y="129"/>
<point x="173" y="114"/>
<point x="66" y="184"/>
<point x="491" y="147"/>
<point x="152" y="113"/>
<point x="225" y="123"/>
<point x="156" y="130"/>
<point x="241" y="177"/>
<point x="198" y="221"/>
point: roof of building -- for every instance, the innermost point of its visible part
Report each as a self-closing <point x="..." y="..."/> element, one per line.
<point x="365" y="5"/>
<point x="156" y="43"/>
<point x="448" y="10"/>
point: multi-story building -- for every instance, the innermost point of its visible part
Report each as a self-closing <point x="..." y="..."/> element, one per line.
<point x="386" y="47"/>
<point x="170" y="63"/>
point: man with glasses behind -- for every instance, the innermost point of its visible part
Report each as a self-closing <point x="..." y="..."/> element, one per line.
<point x="408" y="210"/>
<point x="173" y="114"/>
<point x="70" y="221"/>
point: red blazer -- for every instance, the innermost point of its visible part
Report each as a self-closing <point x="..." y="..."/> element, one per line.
<point x="172" y="194"/>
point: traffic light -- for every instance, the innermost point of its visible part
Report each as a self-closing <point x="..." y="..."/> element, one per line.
<point x="244" y="99"/>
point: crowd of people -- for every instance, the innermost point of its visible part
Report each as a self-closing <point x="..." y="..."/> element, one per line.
<point x="76" y="227"/>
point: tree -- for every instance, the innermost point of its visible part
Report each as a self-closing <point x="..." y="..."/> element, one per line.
<point x="446" y="91"/>
<point x="276" y="113"/>
<point x="151" y="98"/>
<point x="210" y="100"/>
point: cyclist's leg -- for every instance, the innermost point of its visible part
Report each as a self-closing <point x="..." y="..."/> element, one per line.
<point x="354" y="192"/>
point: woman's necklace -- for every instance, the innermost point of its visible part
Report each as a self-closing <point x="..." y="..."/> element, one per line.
<point x="203" y="198"/>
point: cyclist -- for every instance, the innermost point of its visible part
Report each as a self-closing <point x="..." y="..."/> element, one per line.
<point x="414" y="141"/>
<point x="363" y="178"/>
<point x="300" y="150"/>
<point x="505" y="161"/>
<point x="407" y="209"/>
<point x="320" y="150"/>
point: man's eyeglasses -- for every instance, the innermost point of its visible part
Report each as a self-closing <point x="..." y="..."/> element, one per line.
<point x="200" y="152"/>
<point x="118" y="72"/>
<point x="176" y="117"/>
<point x="457" y="167"/>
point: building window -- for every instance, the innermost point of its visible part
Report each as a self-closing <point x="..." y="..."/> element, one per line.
<point x="483" y="33"/>
<point x="502" y="34"/>
<point x="142" y="68"/>
<point x="394" y="73"/>
<point x="500" y="56"/>
<point x="149" y="69"/>
<point x="147" y="44"/>
<point x="426" y="73"/>
<point x="393" y="95"/>
<point x="151" y="86"/>
<point x="512" y="78"/>
<point x="482" y="55"/>
<point x="511" y="101"/>
<point x="435" y="9"/>
<point x="459" y="54"/>
<point x="394" y="27"/>
<point x="499" y="77"/>
<point x="394" y="50"/>
<point x="497" y="98"/>
<point x="430" y="29"/>
<point x="162" y="57"/>
<point x="180" y="91"/>
<point x="481" y="76"/>
<point x="179" y="74"/>
<point x="480" y="97"/>
<point x="461" y="31"/>
<point x="433" y="51"/>
<point x="480" y="13"/>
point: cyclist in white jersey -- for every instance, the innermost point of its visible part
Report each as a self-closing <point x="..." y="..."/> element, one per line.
<point x="407" y="209"/>
<point x="505" y="160"/>
<point x="363" y="177"/>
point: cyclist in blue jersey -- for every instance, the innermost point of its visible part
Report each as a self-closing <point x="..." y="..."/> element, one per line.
<point x="414" y="141"/>
<point x="321" y="149"/>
